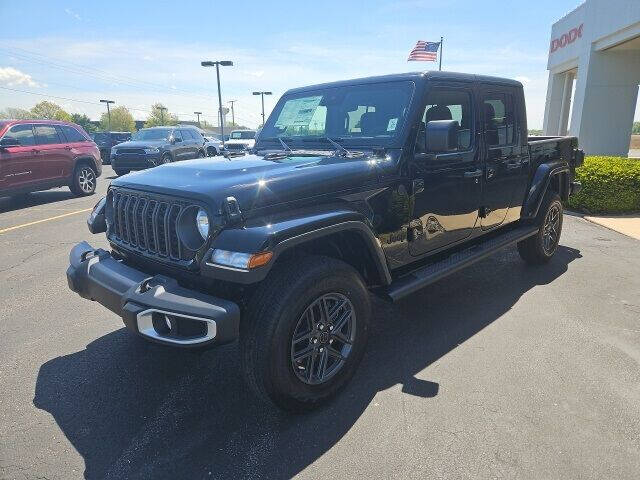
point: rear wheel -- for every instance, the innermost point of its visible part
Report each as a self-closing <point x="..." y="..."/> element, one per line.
<point x="166" y="158"/>
<point x="84" y="180"/>
<point x="540" y="247"/>
<point x="305" y="332"/>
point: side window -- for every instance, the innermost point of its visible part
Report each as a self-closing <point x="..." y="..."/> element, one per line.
<point x="448" y="105"/>
<point x="197" y="136"/>
<point x="46" y="135"/>
<point x="186" y="135"/>
<point x="22" y="133"/>
<point x="499" y="119"/>
<point x="71" y="134"/>
<point x="177" y="135"/>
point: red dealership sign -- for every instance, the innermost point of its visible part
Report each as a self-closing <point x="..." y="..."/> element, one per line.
<point x="566" y="38"/>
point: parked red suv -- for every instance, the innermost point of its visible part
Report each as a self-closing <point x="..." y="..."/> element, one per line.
<point x="41" y="154"/>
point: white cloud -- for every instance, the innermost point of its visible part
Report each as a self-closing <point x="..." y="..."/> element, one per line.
<point x="522" y="79"/>
<point x="73" y="14"/>
<point x="11" y="77"/>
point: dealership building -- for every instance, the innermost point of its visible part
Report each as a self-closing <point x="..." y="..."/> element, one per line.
<point x="594" y="72"/>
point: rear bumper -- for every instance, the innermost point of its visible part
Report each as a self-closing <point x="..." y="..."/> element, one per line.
<point x="154" y="307"/>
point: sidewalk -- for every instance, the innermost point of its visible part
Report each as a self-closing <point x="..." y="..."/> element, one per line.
<point x="626" y="224"/>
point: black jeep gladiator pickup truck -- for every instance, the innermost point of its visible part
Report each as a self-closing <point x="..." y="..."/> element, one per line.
<point x="376" y="186"/>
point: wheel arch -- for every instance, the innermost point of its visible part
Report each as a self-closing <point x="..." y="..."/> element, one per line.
<point x="554" y="176"/>
<point x="350" y="240"/>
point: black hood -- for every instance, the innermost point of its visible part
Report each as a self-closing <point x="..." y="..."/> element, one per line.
<point x="254" y="181"/>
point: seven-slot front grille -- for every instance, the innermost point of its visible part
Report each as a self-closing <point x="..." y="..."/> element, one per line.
<point x="148" y="223"/>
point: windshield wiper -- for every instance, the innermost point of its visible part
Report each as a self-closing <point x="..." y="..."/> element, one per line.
<point x="284" y="144"/>
<point x="339" y="148"/>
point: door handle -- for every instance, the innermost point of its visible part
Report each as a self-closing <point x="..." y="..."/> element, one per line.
<point x="473" y="174"/>
<point x="67" y="147"/>
<point x="35" y="150"/>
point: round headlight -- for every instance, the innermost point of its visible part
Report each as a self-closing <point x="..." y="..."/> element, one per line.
<point x="202" y="221"/>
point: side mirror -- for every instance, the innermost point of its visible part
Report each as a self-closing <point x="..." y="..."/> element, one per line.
<point x="9" y="142"/>
<point x="442" y="136"/>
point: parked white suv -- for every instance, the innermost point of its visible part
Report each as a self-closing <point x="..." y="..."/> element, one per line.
<point x="212" y="146"/>
<point x="240" y="140"/>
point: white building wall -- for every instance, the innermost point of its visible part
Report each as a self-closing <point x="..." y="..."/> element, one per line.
<point x="607" y="78"/>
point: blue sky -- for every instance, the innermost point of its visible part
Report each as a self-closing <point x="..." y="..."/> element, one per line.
<point x="139" y="53"/>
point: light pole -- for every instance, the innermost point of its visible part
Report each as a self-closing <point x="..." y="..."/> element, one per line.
<point x="233" y="116"/>
<point x="162" y="109"/>
<point x="262" y="94"/>
<point x="217" y="63"/>
<point x="108" y="111"/>
<point x="198" y="114"/>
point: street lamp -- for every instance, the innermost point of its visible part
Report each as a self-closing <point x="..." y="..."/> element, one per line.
<point x="108" y="111"/>
<point x="217" y="63"/>
<point x="198" y="114"/>
<point x="233" y="116"/>
<point x="162" y="109"/>
<point x="262" y="94"/>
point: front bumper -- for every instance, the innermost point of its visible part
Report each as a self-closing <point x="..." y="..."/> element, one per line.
<point x="154" y="307"/>
<point x="132" y="161"/>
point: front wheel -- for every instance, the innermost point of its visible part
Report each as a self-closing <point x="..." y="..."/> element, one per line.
<point x="540" y="247"/>
<point x="305" y="332"/>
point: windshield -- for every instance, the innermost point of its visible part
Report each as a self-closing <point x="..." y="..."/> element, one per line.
<point x="100" y="137"/>
<point x="244" y="135"/>
<point x="373" y="111"/>
<point x="152" y="134"/>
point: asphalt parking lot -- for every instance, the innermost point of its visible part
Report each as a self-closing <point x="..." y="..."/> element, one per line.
<point x="499" y="371"/>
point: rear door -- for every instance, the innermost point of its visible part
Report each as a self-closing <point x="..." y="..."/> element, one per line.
<point x="54" y="153"/>
<point x="18" y="164"/>
<point x="190" y="140"/>
<point x="504" y="153"/>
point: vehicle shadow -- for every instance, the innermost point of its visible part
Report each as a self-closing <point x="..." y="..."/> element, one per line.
<point x="137" y="410"/>
<point x="17" y="202"/>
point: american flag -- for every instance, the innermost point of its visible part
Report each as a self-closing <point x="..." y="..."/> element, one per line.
<point x="424" y="51"/>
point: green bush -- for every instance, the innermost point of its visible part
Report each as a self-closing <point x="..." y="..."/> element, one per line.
<point x="609" y="185"/>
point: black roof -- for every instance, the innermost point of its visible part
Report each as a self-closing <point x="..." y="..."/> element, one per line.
<point x="419" y="76"/>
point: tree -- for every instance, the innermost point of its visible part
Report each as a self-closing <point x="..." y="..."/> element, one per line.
<point x="160" y="116"/>
<point x="636" y="128"/>
<point x="121" y="120"/>
<point x="50" y="111"/>
<point x="15" y="113"/>
<point x="83" y="121"/>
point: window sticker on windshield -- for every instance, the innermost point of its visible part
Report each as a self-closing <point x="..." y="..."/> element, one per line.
<point x="298" y="112"/>
<point x="391" y="126"/>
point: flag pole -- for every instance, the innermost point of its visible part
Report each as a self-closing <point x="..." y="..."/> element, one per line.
<point x="441" y="38"/>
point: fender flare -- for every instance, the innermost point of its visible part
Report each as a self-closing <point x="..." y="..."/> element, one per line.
<point x="539" y="186"/>
<point x="85" y="158"/>
<point x="257" y="241"/>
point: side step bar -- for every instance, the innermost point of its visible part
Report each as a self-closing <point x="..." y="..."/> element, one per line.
<point x="431" y="273"/>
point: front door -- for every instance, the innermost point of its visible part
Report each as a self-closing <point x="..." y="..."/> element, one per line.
<point x="504" y="155"/>
<point x="447" y="185"/>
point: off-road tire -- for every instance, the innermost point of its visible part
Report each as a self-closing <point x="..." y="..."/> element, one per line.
<point x="534" y="250"/>
<point x="84" y="180"/>
<point x="268" y="325"/>
<point x="119" y="172"/>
